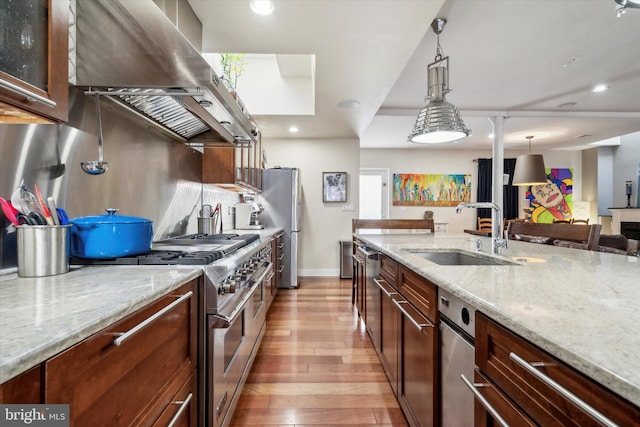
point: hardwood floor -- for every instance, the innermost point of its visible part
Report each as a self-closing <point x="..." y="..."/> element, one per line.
<point x="316" y="365"/>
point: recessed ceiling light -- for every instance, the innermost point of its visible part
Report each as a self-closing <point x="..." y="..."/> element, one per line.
<point x="349" y="104"/>
<point x="491" y="135"/>
<point x="262" y="7"/>
<point x="293" y="129"/>
<point x="567" y="105"/>
<point x="599" y="88"/>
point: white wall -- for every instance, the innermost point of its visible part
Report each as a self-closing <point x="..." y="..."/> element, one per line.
<point x="589" y="184"/>
<point x="324" y="225"/>
<point x="442" y="161"/>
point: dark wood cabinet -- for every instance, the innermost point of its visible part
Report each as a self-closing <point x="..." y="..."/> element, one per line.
<point x="499" y="402"/>
<point x="542" y="385"/>
<point x="182" y="411"/>
<point x="401" y="321"/>
<point x="380" y="270"/>
<point x="133" y="371"/>
<point x="388" y="351"/>
<point x="25" y="388"/>
<point x="34" y="67"/>
<point x="418" y="349"/>
<point x="389" y="320"/>
<point x="233" y="167"/>
<point x="372" y="299"/>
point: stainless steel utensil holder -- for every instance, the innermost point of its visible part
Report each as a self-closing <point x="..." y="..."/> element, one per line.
<point x="208" y="224"/>
<point x="43" y="250"/>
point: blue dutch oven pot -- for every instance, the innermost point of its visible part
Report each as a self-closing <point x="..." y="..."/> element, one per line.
<point x="110" y="236"/>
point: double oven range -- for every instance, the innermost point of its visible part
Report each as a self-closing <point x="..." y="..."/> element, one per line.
<point x="234" y="298"/>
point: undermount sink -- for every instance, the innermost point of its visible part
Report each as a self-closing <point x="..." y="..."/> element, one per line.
<point x="458" y="257"/>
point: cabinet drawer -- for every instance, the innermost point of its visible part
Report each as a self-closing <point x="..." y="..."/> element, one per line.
<point x="109" y="384"/>
<point x="388" y="269"/>
<point x="497" y="353"/>
<point x="419" y="291"/>
<point x="181" y="410"/>
<point x="500" y="403"/>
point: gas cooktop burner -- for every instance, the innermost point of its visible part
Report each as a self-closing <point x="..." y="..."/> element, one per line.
<point x="184" y="258"/>
<point x="156" y="258"/>
<point x="213" y="238"/>
<point x="192" y="249"/>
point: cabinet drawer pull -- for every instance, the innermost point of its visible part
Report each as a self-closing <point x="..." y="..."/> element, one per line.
<point x="281" y="269"/>
<point x="484" y="402"/>
<point x="418" y="325"/>
<point x="380" y="284"/>
<point x="123" y="336"/>
<point x="561" y="390"/>
<point x="183" y="405"/>
<point x="29" y="95"/>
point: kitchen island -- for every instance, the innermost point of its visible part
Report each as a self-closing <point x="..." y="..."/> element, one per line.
<point x="579" y="306"/>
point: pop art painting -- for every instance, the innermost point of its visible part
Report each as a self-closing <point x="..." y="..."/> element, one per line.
<point x="554" y="200"/>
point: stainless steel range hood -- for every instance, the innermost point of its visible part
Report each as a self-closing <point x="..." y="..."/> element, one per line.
<point x="129" y="50"/>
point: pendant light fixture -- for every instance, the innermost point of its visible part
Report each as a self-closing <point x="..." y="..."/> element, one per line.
<point x="624" y="4"/>
<point x="529" y="169"/>
<point x="439" y="121"/>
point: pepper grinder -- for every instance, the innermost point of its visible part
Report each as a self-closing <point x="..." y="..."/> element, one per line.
<point x="628" y="189"/>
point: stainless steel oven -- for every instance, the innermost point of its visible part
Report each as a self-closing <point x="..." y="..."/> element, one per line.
<point x="234" y="335"/>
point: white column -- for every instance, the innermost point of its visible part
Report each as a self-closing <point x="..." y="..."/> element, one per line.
<point x="497" y="170"/>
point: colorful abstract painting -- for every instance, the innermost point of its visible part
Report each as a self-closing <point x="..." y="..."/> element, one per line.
<point x="413" y="189"/>
<point x="553" y="200"/>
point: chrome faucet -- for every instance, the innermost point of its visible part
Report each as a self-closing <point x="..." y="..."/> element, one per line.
<point x="498" y="242"/>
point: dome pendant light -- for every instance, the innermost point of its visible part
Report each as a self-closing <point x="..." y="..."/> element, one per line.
<point x="439" y="121"/>
<point x="529" y="169"/>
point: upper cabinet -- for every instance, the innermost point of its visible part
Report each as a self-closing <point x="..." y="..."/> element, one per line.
<point x="236" y="168"/>
<point x="34" y="41"/>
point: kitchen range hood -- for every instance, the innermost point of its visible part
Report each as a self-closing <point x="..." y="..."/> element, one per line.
<point x="130" y="51"/>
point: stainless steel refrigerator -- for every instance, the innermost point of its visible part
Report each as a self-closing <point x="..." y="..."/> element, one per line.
<point x="282" y="200"/>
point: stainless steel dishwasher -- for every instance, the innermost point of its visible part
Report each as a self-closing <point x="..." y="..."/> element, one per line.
<point x="457" y="331"/>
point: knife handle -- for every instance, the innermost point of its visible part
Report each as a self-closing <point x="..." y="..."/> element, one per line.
<point x="53" y="209"/>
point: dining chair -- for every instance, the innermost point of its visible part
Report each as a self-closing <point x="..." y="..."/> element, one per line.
<point x="580" y="221"/>
<point x="484" y="224"/>
<point x="562" y="221"/>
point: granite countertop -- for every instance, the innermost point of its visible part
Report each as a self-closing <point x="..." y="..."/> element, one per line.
<point x="39" y="317"/>
<point x="580" y="306"/>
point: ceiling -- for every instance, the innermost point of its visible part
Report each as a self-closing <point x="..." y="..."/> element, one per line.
<point x="516" y="59"/>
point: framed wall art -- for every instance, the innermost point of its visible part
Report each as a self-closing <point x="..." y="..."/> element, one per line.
<point x="334" y="187"/>
<point x="415" y="189"/>
<point x="554" y="200"/>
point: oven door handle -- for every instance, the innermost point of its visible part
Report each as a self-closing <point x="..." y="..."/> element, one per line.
<point x="236" y="311"/>
<point x="264" y="274"/>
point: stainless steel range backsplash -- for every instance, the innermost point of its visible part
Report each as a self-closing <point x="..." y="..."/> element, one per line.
<point x="149" y="175"/>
